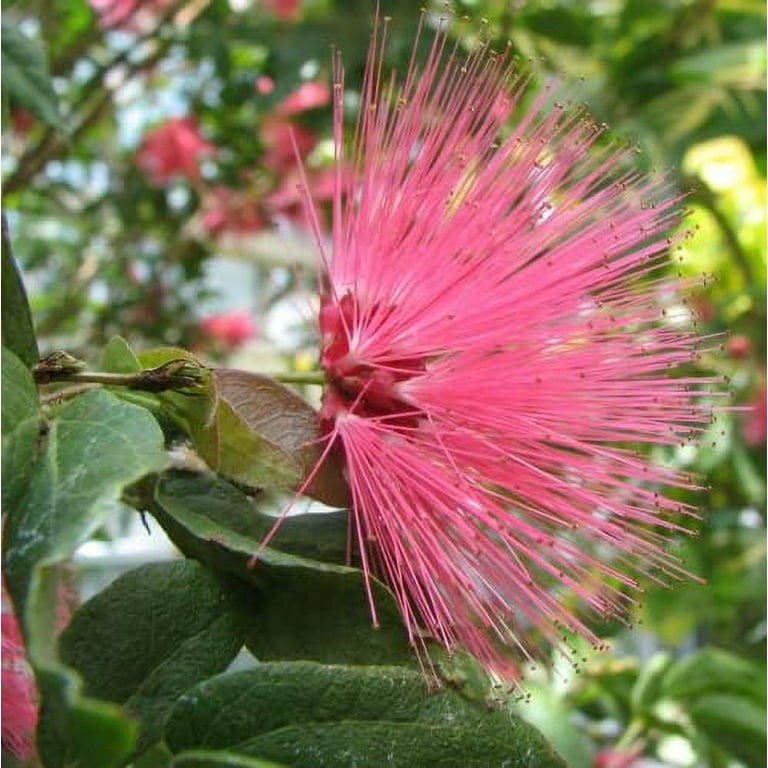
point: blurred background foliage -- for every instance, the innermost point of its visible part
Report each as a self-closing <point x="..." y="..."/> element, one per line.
<point x="153" y="194"/>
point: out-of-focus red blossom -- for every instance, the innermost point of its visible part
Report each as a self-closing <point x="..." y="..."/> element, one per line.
<point x="21" y="121"/>
<point x="264" y="85"/>
<point x="615" y="758"/>
<point x="19" y="695"/>
<point x="287" y="10"/>
<point x="492" y="340"/>
<point x="288" y="200"/>
<point x="755" y="429"/>
<point x="232" y="328"/>
<point x="276" y="137"/>
<point x="277" y="127"/>
<point x="738" y="347"/>
<point x="231" y="210"/>
<point x="174" y="148"/>
<point x="310" y="95"/>
<point x="130" y="15"/>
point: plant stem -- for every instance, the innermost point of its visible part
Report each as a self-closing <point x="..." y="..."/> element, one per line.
<point x="175" y="374"/>
<point x="297" y="377"/>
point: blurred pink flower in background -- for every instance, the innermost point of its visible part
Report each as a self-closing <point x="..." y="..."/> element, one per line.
<point x="276" y="137"/>
<point x="173" y="149"/>
<point x="616" y="758"/>
<point x="288" y="199"/>
<point x="231" y="210"/>
<point x="277" y="127"/>
<point x="492" y="341"/>
<point x="232" y="328"/>
<point x="287" y="10"/>
<point x="131" y="15"/>
<point x="738" y="347"/>
<point x="755" y="428"/>
<point x="313" y="94"/>
<point x="264" y="85"/>
<point x="19" y="695"/>
<point x="22" y="121"/>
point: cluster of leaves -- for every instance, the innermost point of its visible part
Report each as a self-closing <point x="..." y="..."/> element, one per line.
<point x="710" y="704"/>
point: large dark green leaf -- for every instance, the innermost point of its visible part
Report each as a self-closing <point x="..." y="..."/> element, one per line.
<point x="95" y="447"/>
<point x="152" y="634"/>
<point x="303" y="608"/>
<point x="316" y="536"/>
<point x="18" y="332"/>
<point x="20" y="427"/>
<point x="203" y="758"/>
<point x="734" y="723"/>
<point x="712" y="671"/>
<point x="311" y="715"/>
<point x="25" y="73"/>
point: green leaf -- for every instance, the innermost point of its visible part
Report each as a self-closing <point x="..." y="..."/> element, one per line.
<point x="157" y="756"/>
<point x="734" y="723"/>
<point x="280" y="417"/>
<point x="737" y="64"/>
<point x="554" y="717"/>
<point x="221" y="437"/>
<point x="18" y="333"/>
<point x="310" y="715"/>
<point x="20" y="428"/>
<point x="95" y="447"/>
<point x="247" y="427"/>
<point x="710" y="671"/>
<point x="649" y="686"/>
<point x="72" y="727"/>
<point x="152" y="634"/>
<point x="200" y="758"/>
<point x="304" y="609"/>
<point x="118" y="357"/>
<point x="25" y="73"/>
<point x="320" y="536"/>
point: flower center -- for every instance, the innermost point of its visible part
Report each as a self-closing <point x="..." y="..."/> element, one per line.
<point x="366" y="388"/>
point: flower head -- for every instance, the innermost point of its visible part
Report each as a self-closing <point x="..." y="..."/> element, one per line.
<point x="493" y="339"/>
<point x="173" y="149"/>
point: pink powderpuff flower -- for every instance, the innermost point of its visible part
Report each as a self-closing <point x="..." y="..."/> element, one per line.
<point x="19" y="695"/>
<point x="232" y="328"/>
<point x="493" y="347"/>
<point x="173" y="149"/>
